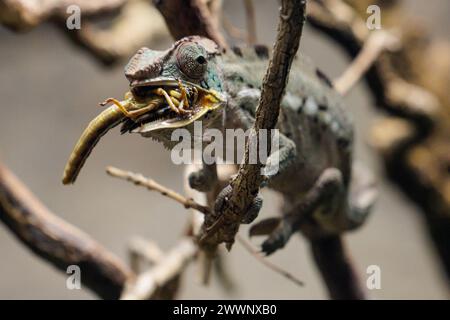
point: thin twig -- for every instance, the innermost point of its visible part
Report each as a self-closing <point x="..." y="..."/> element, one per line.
<point x="139" y="249"/>
<point x="342" y="24"/>
<point x="140" y="180"/>
<point x="232" y="30"/>
<point x="251" y="21"/>
<point x="247" y="246"/>
<point x="235" y="32"/>
<point x="377" y="42"/>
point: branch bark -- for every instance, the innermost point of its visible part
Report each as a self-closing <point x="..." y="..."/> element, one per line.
<point x="170" y="267"/>
<point x="411" y="84"/>
<point x="138" y="23"/>
<point x="342" y="24"/>
<point x="150" y="184"/>
<point x="245" y="185"/>
<point x="251" y="22"/>
<point x="375" y="44"/>
<point x="337" y="271"/>
<point x="58" y="242"/>
<point x="22" y="15"/>
<point x="190" y="17"/>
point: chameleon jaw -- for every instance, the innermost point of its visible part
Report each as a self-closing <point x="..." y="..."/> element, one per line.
<point x="185" y="103"/>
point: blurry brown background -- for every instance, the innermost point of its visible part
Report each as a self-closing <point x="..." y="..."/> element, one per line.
<point x="49" y="91"/>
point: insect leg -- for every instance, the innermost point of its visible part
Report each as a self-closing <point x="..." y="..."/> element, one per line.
<point x="163" y="93"/>
<point x="183" y="93"/>
<point x="121" y="107"/>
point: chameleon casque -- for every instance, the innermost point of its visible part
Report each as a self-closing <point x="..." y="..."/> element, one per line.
<point x="195" y="80"/>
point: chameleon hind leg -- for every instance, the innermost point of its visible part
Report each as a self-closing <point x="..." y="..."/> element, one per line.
<point x="332" y="219"/>
<point x="280" y="230"/>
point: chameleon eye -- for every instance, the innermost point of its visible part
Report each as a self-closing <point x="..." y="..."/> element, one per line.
<point x="191" y="59"/>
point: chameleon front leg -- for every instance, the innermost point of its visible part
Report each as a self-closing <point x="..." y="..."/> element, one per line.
<point x="279" y="160"/>
<point x="323" y="193"/>
<point x="276" y="163"/>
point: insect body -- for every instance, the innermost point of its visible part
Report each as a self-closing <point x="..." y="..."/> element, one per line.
<point x="98" y="127"/>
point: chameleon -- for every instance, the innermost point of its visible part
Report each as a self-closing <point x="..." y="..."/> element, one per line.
<point x="324" y="193"/>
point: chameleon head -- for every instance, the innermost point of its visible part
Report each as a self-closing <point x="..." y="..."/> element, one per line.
<point x="189" y="79"/>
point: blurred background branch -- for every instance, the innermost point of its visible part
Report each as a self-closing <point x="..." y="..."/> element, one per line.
<point x="407" y="84"/>
<point x="58" y="242"/>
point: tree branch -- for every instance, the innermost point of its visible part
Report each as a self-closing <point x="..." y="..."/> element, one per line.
<point x="58" y="242"/>
<point x="251" y="21"/>
<point x="337" y="271"/>
<point x="22" y="15"/>
<point x="190" y="17"/>
<point x="140" y="180"/>
<point x="247" y="246"/>
<point x="376" y="43"/>
<point x="169" y="268"/>
<point x="342" y="24"/>
<point x="173" y="263"/>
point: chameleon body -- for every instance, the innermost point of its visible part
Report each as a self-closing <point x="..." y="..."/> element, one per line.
<point x="316" y="136"/>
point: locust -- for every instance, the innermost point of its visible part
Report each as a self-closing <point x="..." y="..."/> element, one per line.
<point x="137" y="107"/>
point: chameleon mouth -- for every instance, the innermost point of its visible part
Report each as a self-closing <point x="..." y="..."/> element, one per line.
<point x="182" y="103"/>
